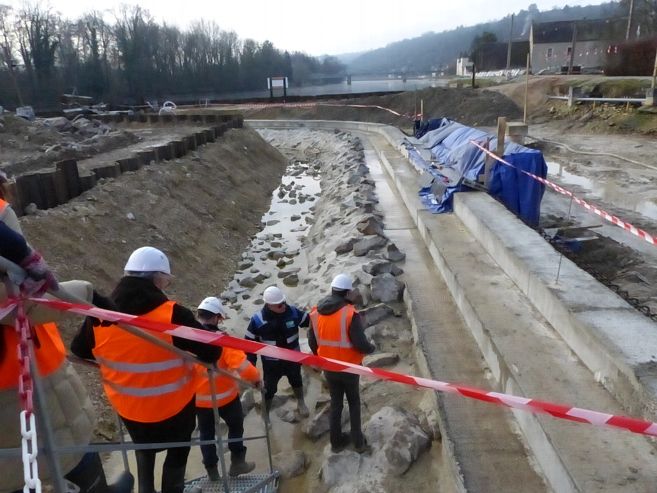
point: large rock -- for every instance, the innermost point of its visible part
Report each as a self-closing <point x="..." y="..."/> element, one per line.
<point x="248" y="401"/>
<point x="397" y="439"/>
<point x="371" y="226"/>
<point x="291" y="280"/>
<point x="428" y="416"/>
<point x="380" y="360"/>
<point x="380" y="333"/>
<point x="375" y="314"/>
<point x="318" y="423"/>
<point x="361" y="296"/>
<point x="386" y="287"/>
<point x="291" y="463"/>
<point x="366" y="244"/>
<point x="393" y="254"/>
<point x="248" y="282"/>
<point x="345" y="246"/>
<point x="288" y="272"/>
<point x="378" y="266"/>
<point x="275" y="254"/>
<point x="340" y="468"/>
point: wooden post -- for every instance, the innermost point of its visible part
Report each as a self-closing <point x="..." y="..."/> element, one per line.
<point x="524" y="116"/>
<point x="629" y="21"/>
<point x="508" y="50"/>
<point x="654" y="72"/>
<point x="421" y="110"/>
<point x="501" y="135"/>
<point x="474" y="70"/>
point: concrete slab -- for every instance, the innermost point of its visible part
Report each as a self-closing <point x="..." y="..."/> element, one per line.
<point x="618" y="344"/>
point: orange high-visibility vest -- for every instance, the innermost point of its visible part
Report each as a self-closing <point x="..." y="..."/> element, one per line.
<point x="143" y="382"/>
<point x="332" y="335"/>
<point x="3" y="205"/>
<point x="49" y="352"/>
<point x="232" y="360"/>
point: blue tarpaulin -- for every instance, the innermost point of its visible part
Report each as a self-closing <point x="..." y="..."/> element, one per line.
<point x="451" y="147"/>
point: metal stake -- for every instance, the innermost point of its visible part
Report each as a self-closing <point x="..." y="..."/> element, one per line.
<point x="220" y="442"/>
<point x="570" y="208"/>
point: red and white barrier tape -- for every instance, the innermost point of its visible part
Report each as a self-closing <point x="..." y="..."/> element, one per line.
<point x="644" y="235"/>
<point x="259" y="106"/>
<point x="219" y="339"/>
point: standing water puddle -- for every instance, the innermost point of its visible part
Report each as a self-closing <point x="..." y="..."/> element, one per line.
<point x="608" y="191"/>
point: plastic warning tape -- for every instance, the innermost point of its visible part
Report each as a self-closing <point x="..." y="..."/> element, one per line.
<point x="535" y="406"/>
<point x="644" y="235"/>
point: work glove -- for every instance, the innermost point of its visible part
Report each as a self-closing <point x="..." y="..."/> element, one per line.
<point x="39" y="276"/>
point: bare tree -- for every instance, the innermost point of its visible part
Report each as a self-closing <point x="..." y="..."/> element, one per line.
<point x="8" y="46"/>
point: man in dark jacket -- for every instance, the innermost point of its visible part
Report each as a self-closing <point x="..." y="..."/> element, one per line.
<point x="278" y="324"/>
<point x="337" y="332"/>
<point x="152" y="389"/>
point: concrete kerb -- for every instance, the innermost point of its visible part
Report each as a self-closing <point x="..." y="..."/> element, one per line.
<point x="448" y="451"/>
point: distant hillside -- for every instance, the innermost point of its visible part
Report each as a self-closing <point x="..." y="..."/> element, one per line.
<point x="439" y="51"/>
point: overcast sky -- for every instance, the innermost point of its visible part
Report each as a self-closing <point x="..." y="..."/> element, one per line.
<point x="327" y="27"/>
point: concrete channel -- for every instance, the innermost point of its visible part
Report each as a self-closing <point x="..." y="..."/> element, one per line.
<point x="486" y="313"/>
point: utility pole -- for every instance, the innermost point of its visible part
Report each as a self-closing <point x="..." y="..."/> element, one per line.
<point x="629" y="20"/>
<point x="508" y="50"/>
<point x="572" y="49"/>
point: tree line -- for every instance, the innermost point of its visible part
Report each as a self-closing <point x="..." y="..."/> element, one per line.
<point x="132" y="57"/>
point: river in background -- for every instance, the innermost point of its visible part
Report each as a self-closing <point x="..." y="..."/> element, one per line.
<point x="356" y="87"/>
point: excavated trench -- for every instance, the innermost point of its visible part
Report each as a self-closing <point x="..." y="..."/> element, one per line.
<point x="324" y="197"/>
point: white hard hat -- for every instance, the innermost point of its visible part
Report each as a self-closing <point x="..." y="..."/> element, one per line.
<point x="148" y="259"/>
<point x="213" y="305"/>
<point x="342" y="281"/>
<point x="273" y="296"/>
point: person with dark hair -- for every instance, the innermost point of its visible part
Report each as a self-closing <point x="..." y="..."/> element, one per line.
<point x="151" y="388"/>
<point x="337" y="332"/>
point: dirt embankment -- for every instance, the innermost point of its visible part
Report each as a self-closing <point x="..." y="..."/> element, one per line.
<point x="469" y="106"/>
<point x="201" y="210"/>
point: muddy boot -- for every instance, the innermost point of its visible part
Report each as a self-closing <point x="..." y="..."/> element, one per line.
<point x="363" y="448"/>
<point x="301" y="402"/>
<point x="238" y="465"/>
<point x="213" y="473"/>
<point x="342" y="444"/>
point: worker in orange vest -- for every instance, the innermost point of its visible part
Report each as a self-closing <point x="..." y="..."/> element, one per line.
<point x="151" y="388"/>
<point x="338" y="333"/>
<point x="211" y="313"/>
<point x="70" y="410"/>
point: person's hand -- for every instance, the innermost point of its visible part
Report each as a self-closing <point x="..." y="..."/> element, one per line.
<point x="39" y="276"/>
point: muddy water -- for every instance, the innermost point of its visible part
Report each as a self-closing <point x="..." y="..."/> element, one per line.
<point x="285" y="225"/>
<point x="615" y="193"/>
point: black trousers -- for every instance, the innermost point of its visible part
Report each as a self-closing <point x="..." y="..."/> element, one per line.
<point x="274" y="370"/>
<point x="233" y="415"/>
<point x="177" y="428"/>
<point x="341" y="385"/>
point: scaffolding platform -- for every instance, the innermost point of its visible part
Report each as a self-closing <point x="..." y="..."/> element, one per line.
<point x="247" y="483"/>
